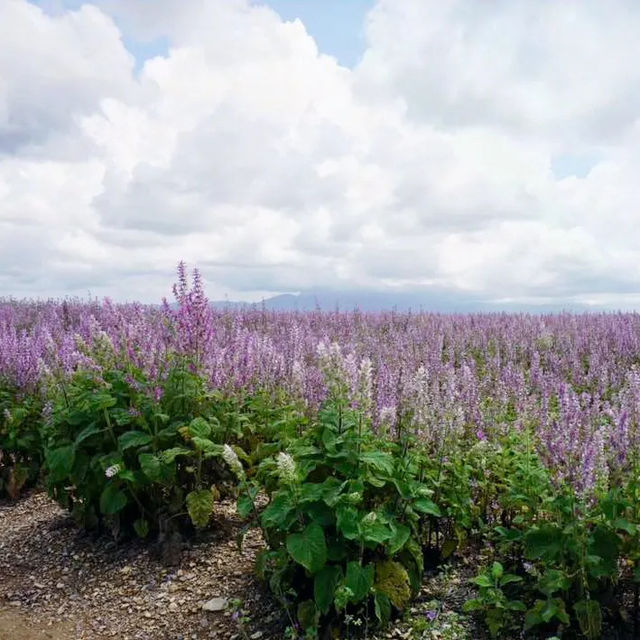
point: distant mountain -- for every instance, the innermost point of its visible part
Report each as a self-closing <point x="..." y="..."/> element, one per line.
<point x="435" y="301"/>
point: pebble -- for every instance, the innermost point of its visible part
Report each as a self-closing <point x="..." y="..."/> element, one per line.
<point x="215" y="604"/>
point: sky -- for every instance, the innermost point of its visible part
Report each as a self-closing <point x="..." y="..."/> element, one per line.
<point x="483" y="151"/>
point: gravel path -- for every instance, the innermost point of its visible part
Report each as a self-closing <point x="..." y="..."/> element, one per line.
<point x="58" y="583"/>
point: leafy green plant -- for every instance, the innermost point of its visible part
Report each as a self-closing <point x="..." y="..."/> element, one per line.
<point x="498" y="607"/>
<point x="118" y="456"/>
<point x="20" y="441"/>
<point x="341" y="525"/>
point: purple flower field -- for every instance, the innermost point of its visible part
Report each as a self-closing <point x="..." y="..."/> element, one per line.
<point x="574" y="379"/>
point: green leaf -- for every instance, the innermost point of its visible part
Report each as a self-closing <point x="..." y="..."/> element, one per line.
<point x="474" y="604"/>
<point x="154" y="468"/>
<point x="482" y="580"/>
<point x="133" y="439"/>
<point x="382" y="606"/>
<point x="203" y="444"/>
<point x="308" y="548"/>
<point x="424" y="505"/>
<point x="544" y="611"/>
<point x="378" y="460"/>
<point x="589" y="616"/>
<point x="496" y="570"/>
<point x="324" y="586"/>
<point x="112" y="500"/>
<point x="373" y="530"/>
<point x="60" y="462"/>
<point x="121" y="416"/>
<point x="200" y="507"/>
<point x="278" y="511"/>
<point x="347" y="521"/>
<point x="509" y="578"/>
<point x="359" y="579"/>
<point x="87" y="432"/>
<point x="398" y="538"/>
<point x="102" y="400"/>
<point x="552" y="581"/>
<point x="544" y="542"/>
<point x="169" y="455"/>
<point x="311" y="492"/>
<point x="245" y="505"/>
<point x="308" y="615"/>
<point x="141" y="527"/>
<point x="624" y="525"/>
<point x="512" y="535"/>
<point x="604" y="544"/>
<point x="199" y="428"/>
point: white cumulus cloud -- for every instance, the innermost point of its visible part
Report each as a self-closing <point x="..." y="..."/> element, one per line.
<point x="246" y="150"/>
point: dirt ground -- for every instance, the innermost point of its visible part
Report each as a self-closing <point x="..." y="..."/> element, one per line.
<point x="14" y="626"/>
<point x="56" y="582"/>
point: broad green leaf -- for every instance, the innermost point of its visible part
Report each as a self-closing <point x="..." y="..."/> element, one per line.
<point x="308" y="615"/>
<point x="154" y="468"/>
<point x="373" y="530"/>
<point x="200" y="507"/>
<point x="604" y="544"/>
<point x="141" y="527"/>
<point x="311" y="492"/>
<point x="203" y="444"/>
<point x="382" y="606"/>
<point x="87" y="432"/>
<point x="102" y="400"/>
<point x="133" y="439"/>
<point x="398" y="538"/>
<point x="347" y="521"/>
<point x="482" y="581"/>
<point x="121" y="416"/>
<point x="278" y="511"/>
<point x="308" y="548"/>
<point x="169" y="455"/>
<point x="359" y="580"/>
<point x="199" y="428"/>
<point x="589" y="616"/>
<point x="496" y="570"/>
<point x="509" y="578"/>
<point x="245" y="505"/>
<point x="424" y="505"/>
<point x="553" y="580"/>
<point x="378" y="460"/>
<point x="474" y="604"/>
<point x="60" y="462"/>
<point x="544" y="542"/>
<point x="624" y="525"/>
<point x="324" y="586"/>
<point x="112" y="500"/>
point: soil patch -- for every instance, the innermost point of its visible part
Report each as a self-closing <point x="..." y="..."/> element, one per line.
<point x="56" y="580"/>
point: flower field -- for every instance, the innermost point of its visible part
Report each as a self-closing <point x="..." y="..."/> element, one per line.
<point x="367" y="448"/>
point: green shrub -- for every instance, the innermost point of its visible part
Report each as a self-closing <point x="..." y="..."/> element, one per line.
<point x="117" y="456"/>
<point x="342" y="524"/>
<point x="20" y="441"/>
<point x="567" y="550"/>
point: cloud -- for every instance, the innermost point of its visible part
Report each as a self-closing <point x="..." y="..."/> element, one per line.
<point x="430" y="166"/>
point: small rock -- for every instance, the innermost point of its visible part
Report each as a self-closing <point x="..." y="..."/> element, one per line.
<point x="256" y="635"/>
<point x="215" y="604"/>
